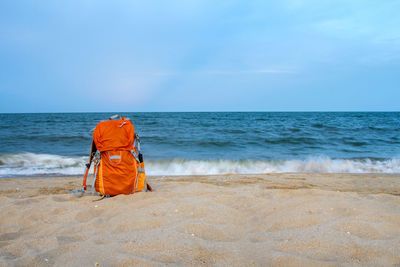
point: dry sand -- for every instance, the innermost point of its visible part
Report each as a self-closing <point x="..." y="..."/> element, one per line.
<point x="239" y="220"/>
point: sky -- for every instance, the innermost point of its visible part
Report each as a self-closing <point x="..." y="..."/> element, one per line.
<point x="133" y="56"/>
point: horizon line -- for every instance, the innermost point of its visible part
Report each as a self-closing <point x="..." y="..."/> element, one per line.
<point x="211" y="111"/>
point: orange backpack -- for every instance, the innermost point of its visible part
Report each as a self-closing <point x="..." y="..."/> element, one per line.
<point x="118" y="163"/>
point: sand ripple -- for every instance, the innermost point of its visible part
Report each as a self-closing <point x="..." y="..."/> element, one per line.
<point x="261" y="220"/>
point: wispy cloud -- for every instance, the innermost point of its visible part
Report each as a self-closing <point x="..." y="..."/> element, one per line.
<point x="156" y="73"/>
<point x="271" y="71"/>
<point x="217" y="72"/>
<point x="163" y="56"/>
<point x="254" y="71"/>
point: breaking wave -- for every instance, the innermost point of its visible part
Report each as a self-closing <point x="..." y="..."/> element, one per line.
<point x="311" y="165"/>
<point x="31" y="164"/>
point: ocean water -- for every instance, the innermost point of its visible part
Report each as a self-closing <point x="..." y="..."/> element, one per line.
<point x="210" y="142"/>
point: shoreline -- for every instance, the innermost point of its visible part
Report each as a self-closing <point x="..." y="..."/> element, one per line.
<point x="277" y="219"/>
<point x="372" y="183"/>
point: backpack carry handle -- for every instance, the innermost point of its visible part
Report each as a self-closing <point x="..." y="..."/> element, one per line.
<point x="116" y="116"/>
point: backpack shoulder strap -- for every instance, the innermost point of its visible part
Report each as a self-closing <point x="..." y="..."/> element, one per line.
<point x="92" y="153"/>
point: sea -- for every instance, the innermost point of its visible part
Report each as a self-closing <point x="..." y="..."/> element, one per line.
<point x="205" y="143"/>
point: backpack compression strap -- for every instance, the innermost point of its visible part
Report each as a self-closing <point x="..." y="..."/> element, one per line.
<point x="92" y="153"/>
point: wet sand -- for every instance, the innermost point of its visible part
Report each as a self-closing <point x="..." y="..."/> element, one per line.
<point x="239" y="220"/>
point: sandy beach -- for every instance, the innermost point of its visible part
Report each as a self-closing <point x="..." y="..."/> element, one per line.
<point x="239" y="220"/>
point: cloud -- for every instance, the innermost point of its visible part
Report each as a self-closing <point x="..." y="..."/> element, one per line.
<point x="127" y="53"/>
<point x="122" y="89"/>
<point x="238" y="72"/>
<point x="270" y="71"/>
<point x="211" y="72"/>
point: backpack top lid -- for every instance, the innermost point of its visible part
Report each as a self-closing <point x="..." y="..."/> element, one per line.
<point x="114" y="135"/>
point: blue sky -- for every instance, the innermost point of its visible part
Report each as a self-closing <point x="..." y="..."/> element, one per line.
<point x="289" y="55"/>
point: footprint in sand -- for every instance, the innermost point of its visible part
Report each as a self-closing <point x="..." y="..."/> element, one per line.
<point x="137" y="224"/>
<point x="26" y="202"/>
<point x="85" y="216"/>
<point x="61" y="198"/>
<point x="297" y="261"/>
<point x="9" y="236"/>
<point x="361" y="230"/>
<point x="289" y="223"/>
<point x="208" y="232"/>
<point x="64" y="240"/>
<point x="343" y="212"/>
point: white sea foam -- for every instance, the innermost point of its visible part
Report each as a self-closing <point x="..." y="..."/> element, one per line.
<point x="30" y="164"/>
<point x="317" y="164"/>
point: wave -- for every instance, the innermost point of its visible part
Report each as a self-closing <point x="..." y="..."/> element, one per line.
<point x="310" y="165"/>
<point x="31" y="164"/>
